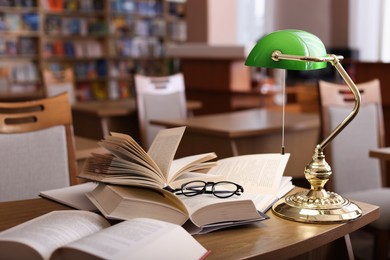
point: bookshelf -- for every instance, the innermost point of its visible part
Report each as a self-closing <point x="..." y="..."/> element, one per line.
<point x="104" y="42"/>
<point x="20" y="35"/>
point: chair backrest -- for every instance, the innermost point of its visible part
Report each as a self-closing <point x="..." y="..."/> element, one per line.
<point x="158" y="98"/>
<point x="353" y="169"/>
<point x="59" y="81"/>
<point x="36" y="147"/>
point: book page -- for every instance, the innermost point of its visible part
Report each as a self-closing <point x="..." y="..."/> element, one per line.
<point x="55" y="229"/>
<point x="73" y="196"/>
<point x="130" y="149"/>
<point x="257" y="173"/>
<point x="140" y="238"/>
<point x="190" y="163"/>
<point x="194" y="176"/>
<point x="164" y="147"/>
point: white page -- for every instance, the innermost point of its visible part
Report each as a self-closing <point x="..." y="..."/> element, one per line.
<point x="73" y="196"/>
<point x="164" y="147"/>
<point x="142" y="238"/>
<point x="257" y="173"/>
<point x="55" y="229"/>
<point x="187" y="162"/>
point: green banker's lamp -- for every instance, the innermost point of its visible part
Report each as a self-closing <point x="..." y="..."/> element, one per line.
<point x="300" y="50"/>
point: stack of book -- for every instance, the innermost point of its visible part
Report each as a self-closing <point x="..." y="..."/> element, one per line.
<point x="132" y="189"/>
<point x="129" y="182"/>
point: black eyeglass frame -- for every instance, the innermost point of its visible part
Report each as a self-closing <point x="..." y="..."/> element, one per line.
<point x="203" y="190"/>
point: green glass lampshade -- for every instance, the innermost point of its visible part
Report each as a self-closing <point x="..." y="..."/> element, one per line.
<point x="289" y="42"/>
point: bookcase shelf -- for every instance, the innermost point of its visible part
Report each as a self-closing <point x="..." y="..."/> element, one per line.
<point x="20" y="32"/>
<point x="105" y="42"/>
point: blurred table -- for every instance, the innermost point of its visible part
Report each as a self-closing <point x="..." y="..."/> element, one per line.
<point x="250" y="131"/>
<point x="95" y="119"/>
<point x="380" y="153"/>
<point x="384" y="155"/>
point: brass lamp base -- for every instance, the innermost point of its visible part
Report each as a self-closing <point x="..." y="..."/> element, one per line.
<point x="316" y="207"/>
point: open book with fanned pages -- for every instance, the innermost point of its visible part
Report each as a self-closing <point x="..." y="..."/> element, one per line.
<point x="127" y="163"/>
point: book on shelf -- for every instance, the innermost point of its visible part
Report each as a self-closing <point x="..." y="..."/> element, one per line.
<point x="53" y="25"/>
<point x="74" y="26"/>
<point x="30" y="22"/>
<point x="76" y="234"/>
<point x="53" y="5"/>
<point x="127" y="163"/>
<point x="12" y="22"/>
<point x="28" y="46"/>
<point x="11" y="46"/>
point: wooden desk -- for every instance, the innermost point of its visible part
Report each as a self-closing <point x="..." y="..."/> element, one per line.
<point x="84" y="148"/>
<point x="250" y="131"/>
<point x="384" y="155"/>
<point x="105" y="114"/>
<point x="111" y="115"/>
<point x="381" y="153"/>
<point x="274" y="238"/>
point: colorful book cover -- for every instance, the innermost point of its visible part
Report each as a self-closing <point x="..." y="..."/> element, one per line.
<point x="30" y="22"/>
<point x="55" y="5"/>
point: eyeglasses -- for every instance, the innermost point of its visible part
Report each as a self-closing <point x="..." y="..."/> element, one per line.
<point x="222" y="189"/>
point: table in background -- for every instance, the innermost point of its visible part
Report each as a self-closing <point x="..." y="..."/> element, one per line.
<point x="250" y="131"/>
<point x="275" y="238"/>
<point x="384" y="155"/>
<point x="95" y="119"/>
<point x="84" y="148"/>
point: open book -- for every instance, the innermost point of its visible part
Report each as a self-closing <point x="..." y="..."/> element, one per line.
<point x="72" y="234"/>
<point x="129" y="164"/>
<point x="202" y="213"/>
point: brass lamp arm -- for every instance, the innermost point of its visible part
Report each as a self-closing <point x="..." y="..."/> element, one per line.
<point x="356" y="94"/>
<point x="335" y="61"/>
<point x="277" y="55"/>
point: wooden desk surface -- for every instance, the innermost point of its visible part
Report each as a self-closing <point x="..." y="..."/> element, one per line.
<point x="85" y="146"/>
<point x="122" y="107"/>
<point x="380" y="153"/>
<point x="273" y="238"/>
<point x="244" y="123"/>
<point x="107" y="108"/>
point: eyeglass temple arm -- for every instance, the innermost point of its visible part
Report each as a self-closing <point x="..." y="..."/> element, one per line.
<point x="335" y="61"/>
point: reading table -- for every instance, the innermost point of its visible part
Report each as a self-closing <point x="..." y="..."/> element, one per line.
<point x="250" y="131"/>
<point x="117" y="115"/>
<point x="383" y="154"/>
<point x="274" y="238"/>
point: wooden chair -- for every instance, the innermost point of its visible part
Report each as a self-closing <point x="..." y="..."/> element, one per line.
<point x="158" y="98"/>
<point x="36" y="147"/>
<point x="355" y="174"/>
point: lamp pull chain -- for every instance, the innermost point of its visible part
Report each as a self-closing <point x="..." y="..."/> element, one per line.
<point x="283" y="80"/>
